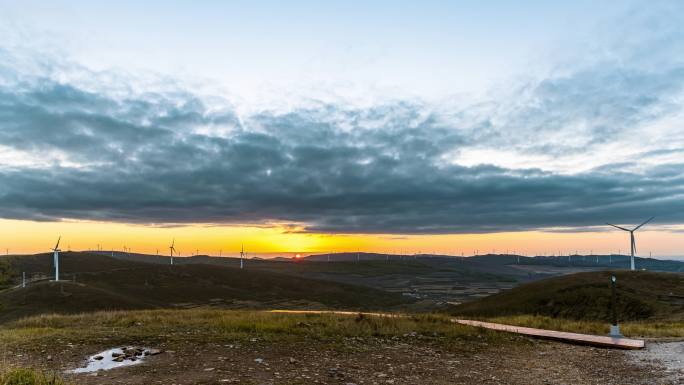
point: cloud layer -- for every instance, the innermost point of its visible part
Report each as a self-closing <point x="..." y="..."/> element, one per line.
<point x="601" y="141"/>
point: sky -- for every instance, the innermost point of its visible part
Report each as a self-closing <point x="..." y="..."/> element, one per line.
<point x="450" y="127"/>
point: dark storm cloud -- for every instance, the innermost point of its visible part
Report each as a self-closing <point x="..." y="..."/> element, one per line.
<point x="335" y="170"/>
<point x="170" y="157"/>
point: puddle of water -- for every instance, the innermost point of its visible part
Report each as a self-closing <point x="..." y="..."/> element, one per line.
<point x="107" y="361"/>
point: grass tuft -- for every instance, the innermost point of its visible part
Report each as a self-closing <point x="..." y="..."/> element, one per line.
<point x="23" y="376"/>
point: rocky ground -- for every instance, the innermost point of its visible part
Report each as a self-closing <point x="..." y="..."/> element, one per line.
<point x="410" y="360"/>
<point x="667" y="356"/>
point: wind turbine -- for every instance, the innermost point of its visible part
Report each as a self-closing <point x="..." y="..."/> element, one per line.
<point x="632" y="245"/>
<point x="172" y="249"/>
<point x="56" y="251"/>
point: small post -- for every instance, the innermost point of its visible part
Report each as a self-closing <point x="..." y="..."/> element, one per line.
<point x="614" y="327"/>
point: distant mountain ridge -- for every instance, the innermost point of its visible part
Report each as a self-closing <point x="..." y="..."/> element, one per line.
<point x="606" y="261"/>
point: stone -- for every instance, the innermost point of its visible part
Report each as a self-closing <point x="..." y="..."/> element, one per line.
<point x="152" y="352"/>
<point x="335" y="373"/>
<point x="98" y="358"/>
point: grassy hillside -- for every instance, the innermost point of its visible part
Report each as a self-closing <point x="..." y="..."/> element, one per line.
<point x="369" y="265"/>
<point x="586" y="296"/>
<point x="6" y="274"/>
<point x="433" y="280"/>
<point x="97" y="282"/>
<point x="70" y="262"/>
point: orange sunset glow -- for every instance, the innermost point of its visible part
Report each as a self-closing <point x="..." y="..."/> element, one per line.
<point x="35" y="237"/>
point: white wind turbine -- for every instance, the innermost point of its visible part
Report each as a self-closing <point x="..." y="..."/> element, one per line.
<point x="56" y="251"/>
<point x="632" y="241"/>
<point x="172" y="249"/>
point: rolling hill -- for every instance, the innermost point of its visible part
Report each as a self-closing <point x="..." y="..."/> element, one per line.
<point x="586" y="296"/>
<point x="434" y="280"/>
<point x="98" y="282"/>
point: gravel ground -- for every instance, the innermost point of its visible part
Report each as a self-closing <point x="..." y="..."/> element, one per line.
<point x="369" y="361"/>
<point x="667" y="356"/>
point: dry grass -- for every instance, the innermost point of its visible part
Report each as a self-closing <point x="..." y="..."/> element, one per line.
<point x="644" y="329"/>
<point x="215" y="325"/>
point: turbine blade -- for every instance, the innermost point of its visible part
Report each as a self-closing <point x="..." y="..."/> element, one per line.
<point x="173" y="242"/>
<point x="637" y="228"/>
<point x="57" y="245"/>
<point x="621" y="228"/>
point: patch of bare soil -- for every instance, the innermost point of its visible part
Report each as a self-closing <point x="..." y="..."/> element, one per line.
<point x="410" y="360"/>
<point x="667" y="356"/>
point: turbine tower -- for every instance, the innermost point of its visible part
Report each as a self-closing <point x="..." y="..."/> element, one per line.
<point x="172" y="249"/>
<point x="632" y="241"/>
<point x="56" y="251"/>
<point x="242" y="256"/>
